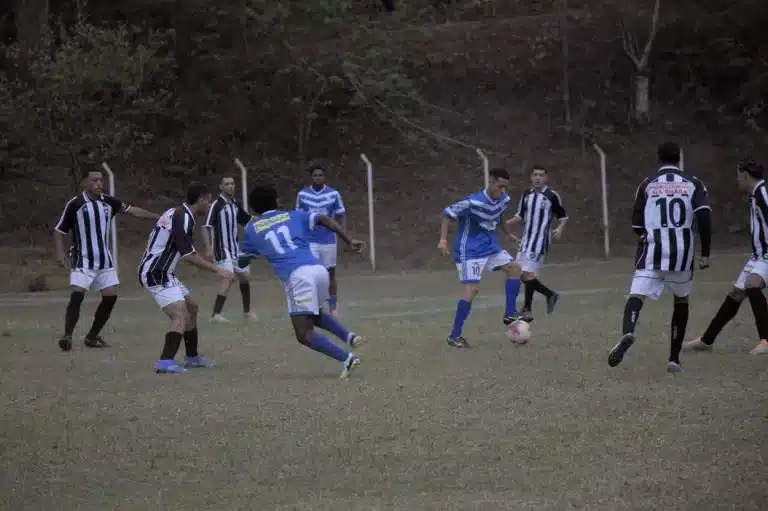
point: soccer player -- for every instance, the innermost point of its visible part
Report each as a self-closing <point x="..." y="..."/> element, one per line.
<point x="751" y="281"/>
<point x="171" y="241"/>
<point x="221" y="245"/>
<point x="88" y="217"/>
<point x="477" y="249"/>
<point x="665" y="206"/>
<point x="536" y="209"/>
<point x="282" y="238"/>
<point x="321" y="199"/>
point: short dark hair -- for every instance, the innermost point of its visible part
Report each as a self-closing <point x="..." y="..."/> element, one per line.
<point x="195" y="191"/>
<point x="498" y="173"/>
<point x="539" y="167"/>
<point x="751" y="167"/>
<point x="262" y="198"/>
<point x="669" y="153"/>
<point x="313" y="168"/>
<point x="86" y="173"/>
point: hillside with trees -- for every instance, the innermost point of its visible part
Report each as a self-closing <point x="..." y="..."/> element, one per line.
<point x="170" y="91"/>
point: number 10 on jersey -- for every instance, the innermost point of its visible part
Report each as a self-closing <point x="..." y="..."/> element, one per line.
<point x="281" y="239"/>
<point x="671" y="211"/>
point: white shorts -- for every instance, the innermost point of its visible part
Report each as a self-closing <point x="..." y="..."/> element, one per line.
<point x="471" y="270"/>
<point x="231" y="265"/>
<point x="530" y="262"/>
<point x="651" y="283"/>
<point x="307" y="290"/>
<point x="93" y="280"/>
<point x="325" y="252"/>
<point x="757" y="266"/>
<point x="174" y="291"/>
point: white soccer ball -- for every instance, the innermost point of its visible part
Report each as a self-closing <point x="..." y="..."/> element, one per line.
<point x="519" y="332"/>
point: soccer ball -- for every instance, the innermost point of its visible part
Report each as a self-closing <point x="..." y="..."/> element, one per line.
<point x="519" y="332"/>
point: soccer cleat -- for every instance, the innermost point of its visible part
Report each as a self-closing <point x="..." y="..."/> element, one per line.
<point x="552" y="302"/>
<point x="617" y="353"/>
<point x="168" y="367"/>
<point x="198" y="361"/>
<point x="457" y="342"/>
<point x="65" y="342"/>
<point x="218" y="318"/>
<point x="761" y="348"/>
<point x="335" y="313"/>
<point x="95" y="342"/>
<point x="696" y="345"/>
<point x="356" y="340"/>
<point x="251" y="316"/>
<point x="349" y="364"/>
<point x="520" y="316"/>
<point x="674" y="367"/>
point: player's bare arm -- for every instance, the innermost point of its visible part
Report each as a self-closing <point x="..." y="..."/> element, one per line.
<point x="559" y="229"/>
<point x="208" y="241"/>
<point x="334" y="226"/>
<point x="443" y="244"/>
<point x="59" y="240"/>
<point x="195" y="260"/>
<point x="137" y="212"/>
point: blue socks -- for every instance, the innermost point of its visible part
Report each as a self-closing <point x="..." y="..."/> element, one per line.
<point x="322" y="344"/>
<point x="329" y="323"/>
<point x="332" y="301"/>
<point x="511" y="290"/>
<point x="462" y="313"/>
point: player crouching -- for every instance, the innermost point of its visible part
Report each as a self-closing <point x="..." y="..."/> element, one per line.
<point x="282" y="238"/>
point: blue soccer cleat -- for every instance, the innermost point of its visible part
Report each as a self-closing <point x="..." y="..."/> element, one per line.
<point x="168" y="367"/>
<point x="198" y="361"/>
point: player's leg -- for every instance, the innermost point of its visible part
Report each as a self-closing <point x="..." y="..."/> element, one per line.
<point x="79" y="282"/>
<point x="333" y="291"/>
<point x="727" y="311"/>
<point x="222" y="290"/>
<point x="305" y="288"/>
<point x="106" y="282"/>
<point x="754" y="286"/>
<point x="681" y="284"/>
<point x="244" y="282"/>
<point x="327" y="254"/>
<point x="645" y="284"/>
<point x="171" y="300"/>
<point x="192" y="358"/>
<point x="328" y="322"/>
<point x="470" y="274"/>
<point x="512" y="270"/>
<point x="530" y="267"/>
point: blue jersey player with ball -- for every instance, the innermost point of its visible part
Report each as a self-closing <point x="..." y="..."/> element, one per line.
<point x="477" y="249"/>
<point x="282" y="238"/>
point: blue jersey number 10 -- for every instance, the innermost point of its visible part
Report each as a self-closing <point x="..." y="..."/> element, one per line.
<point x="281" y="245"/>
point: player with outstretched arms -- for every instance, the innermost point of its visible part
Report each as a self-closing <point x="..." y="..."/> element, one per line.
<point x="477" y="249"/>
<point x="751" y="282"/>
<point x="538" y="207"/>
<point x="88" y="217"/>
<point x="282" y="238"/>
<point x="321" y="199"/>
<point x="666" y="204"/>
<point x="169" y="242"/>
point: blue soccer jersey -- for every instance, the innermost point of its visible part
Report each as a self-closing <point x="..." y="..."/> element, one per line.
<point x="478" y="216"/>
<point x="281" y="237"/>
<point x="325" y="201"/>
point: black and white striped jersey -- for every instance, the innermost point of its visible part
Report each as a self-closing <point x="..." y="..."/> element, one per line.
<point x="758" y="220"/>
<point x="223" y="218"/>
<point x="537" y="208"/>
<point x="665" y="207"/>
<point x="171" y="239"/>
<point x="89" y="220"/>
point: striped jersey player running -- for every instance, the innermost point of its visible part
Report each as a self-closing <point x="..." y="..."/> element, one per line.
<point x="751" y="281"/>
<point x="666" y="204"/>
<point x="477" y="249"/>
<point x="282" y="238"/>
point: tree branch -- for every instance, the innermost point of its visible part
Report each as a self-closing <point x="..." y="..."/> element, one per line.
<point x="651" y="36"/>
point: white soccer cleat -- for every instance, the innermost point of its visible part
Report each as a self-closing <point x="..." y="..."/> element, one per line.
<point x="218" y="318"/>
<point x="696" y="345"/>
<point x="674" y="367"/>
<point x="761" y="348"/>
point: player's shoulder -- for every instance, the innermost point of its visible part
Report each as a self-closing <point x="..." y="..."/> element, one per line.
<point x="76" y="200"/>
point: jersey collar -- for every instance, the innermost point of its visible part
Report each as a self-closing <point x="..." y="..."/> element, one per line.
<point x="669" y="167"/>
<point x="186" y="206"/>
<point x="756" y="185"/>
<point x="321" y="190"/>
<point x="226" y="199"/>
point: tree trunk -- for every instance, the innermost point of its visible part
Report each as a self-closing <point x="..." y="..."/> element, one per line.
<point x="642" y="97"/>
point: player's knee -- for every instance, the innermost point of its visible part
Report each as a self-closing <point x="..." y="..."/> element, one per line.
<point x="737" y="295"/>
<point x="526" y="276"/>
<point x="242" y="278"/>
<point x="512" y="269"/>
<point x="754" y="281"/>
<point x="109" y="291"/>
<point x="681" y="300"/>
<point x="192" y="308"/>
<point x="470" y="292"/>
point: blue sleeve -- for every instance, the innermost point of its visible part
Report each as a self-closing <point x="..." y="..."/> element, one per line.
<point x="457" y="210"/>
<point x="338" y="206"/>
<point x="306" y="220"/>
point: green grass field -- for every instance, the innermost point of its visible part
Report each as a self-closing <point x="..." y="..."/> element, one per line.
<point x="419" y="426"/>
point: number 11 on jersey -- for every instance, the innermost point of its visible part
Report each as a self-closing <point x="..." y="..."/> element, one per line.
<point x="281" y="239"/>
